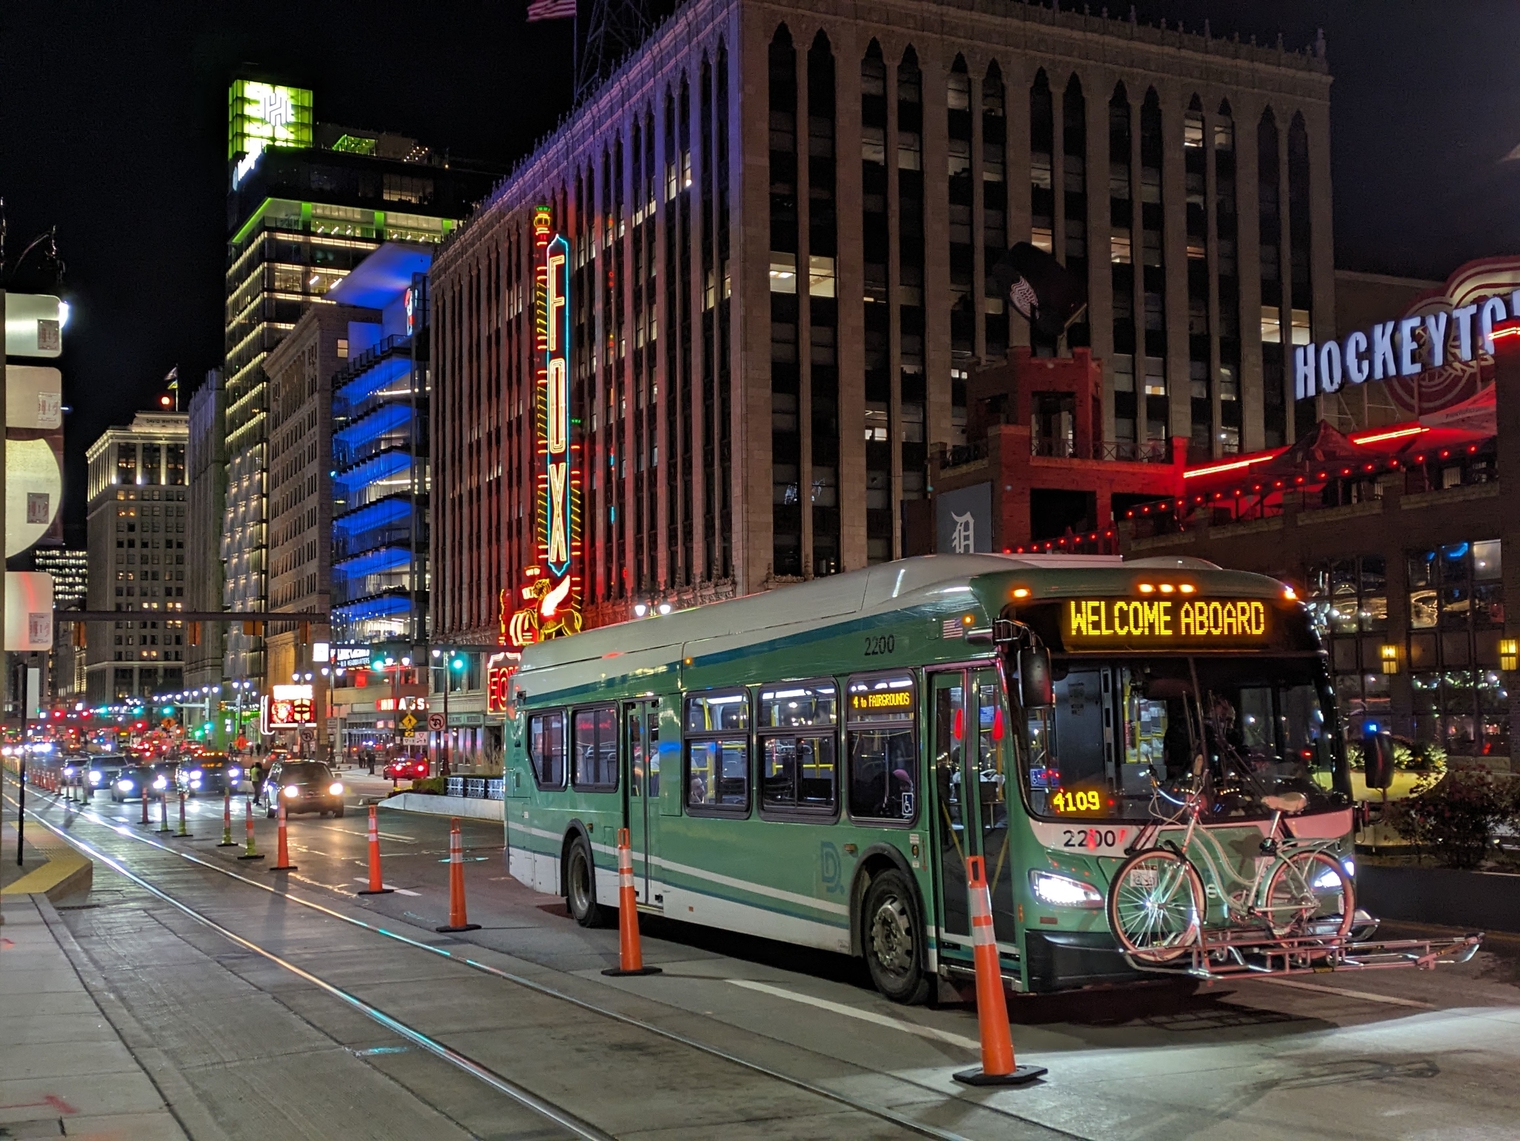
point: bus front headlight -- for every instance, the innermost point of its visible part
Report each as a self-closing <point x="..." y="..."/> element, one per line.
<point x="1063" y="891"/>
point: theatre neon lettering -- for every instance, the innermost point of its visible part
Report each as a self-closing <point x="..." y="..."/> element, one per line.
<point x="552" y="596"/>
<point x="1200" y="622"/>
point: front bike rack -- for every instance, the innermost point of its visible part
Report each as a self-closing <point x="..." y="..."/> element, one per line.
<point x="1235" y="952"/>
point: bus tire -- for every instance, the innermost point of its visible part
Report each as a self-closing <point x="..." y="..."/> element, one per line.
<point x="892" y="938"/>
<point x="580" y="885"/>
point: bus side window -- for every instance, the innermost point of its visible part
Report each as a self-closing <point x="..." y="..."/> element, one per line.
<point x="798" y="743"/>
<point x="882" y="746"/>
<point x="717" y="752"/>
<point x="546" y="748"/>
<point x="594" y="741"/>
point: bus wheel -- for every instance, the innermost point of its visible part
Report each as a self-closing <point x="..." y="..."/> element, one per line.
<point x="893" y="938"/>
<point x="580" y="885"/>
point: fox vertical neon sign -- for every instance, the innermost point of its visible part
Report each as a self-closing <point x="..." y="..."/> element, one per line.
<point x="553" y="592"/>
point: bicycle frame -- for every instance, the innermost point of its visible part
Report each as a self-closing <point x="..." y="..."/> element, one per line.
<point x="1239" y="898"/>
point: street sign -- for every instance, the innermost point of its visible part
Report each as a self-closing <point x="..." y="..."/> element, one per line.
<point x="33" y="325"/>
<point x="435" y="722"/>
<point x="408" y="722"/>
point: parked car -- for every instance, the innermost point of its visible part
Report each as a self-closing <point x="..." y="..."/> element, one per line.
<point x="407" y="768"/>
<point x="131" y="783"/>
<point x="303" y="786"/>
<point x="208" y="773"/>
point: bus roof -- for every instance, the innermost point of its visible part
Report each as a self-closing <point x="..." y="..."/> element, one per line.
<point x="655" y="644"/>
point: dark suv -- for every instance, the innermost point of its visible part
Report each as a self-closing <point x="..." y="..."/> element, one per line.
<point x="303" y="786"/>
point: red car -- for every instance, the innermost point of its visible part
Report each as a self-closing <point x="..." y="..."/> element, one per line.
<point x="407" y="769"/>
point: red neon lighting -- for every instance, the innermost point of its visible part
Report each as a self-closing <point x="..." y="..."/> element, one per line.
<point x="1396" y="434"/>
<point x="1235" y="465"/>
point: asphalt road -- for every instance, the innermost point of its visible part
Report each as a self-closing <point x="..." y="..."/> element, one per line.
<point x="310" y="1011"/>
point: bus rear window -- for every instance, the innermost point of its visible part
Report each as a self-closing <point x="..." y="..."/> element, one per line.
<point x="546" y="748"/>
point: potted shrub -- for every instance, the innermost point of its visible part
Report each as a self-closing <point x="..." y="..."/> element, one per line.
<point x="1454" y="816"/>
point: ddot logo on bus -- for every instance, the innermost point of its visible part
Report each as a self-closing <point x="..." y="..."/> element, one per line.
<point x="553" y="591"/>
<point x="1203" y="623"/>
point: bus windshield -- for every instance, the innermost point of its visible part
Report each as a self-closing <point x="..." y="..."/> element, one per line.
<point x="1123" y="739"/>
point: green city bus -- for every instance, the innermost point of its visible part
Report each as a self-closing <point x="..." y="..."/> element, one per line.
<point x="814" y="764"/>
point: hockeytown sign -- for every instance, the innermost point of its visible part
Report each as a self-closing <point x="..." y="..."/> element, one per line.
<point x="1438" y="353"/>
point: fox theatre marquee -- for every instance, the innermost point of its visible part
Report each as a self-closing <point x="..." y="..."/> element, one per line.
<point x="551" y="602"/>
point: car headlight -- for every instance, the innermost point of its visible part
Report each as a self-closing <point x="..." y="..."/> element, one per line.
<point x="196" y="775"/>
<point x="69" y="770"/>
<point x="1063" y="891"/>
<point x="195" y="782"/>
<point x="124" y="785"/>
<point x="161" y="783"/>
<point x="95" y="777"/>
<point x="336" y="788"/>
<point x="234" y="772"/>
<point x="292" y="791"/>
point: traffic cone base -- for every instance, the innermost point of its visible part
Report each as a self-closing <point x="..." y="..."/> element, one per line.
<point x="998" y="1066"/>
<point x="630" y="955"/>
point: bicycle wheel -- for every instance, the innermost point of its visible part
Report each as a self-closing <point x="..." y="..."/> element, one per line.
<point x="1310" y="893"/>
<point x="1155" y="905"/>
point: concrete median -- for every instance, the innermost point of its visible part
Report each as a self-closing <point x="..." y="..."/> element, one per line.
<point x="432" y="805"/>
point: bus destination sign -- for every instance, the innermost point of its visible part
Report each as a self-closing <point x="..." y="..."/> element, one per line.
<point x="1165" y="623"/>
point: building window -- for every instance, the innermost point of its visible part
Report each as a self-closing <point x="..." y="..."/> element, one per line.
<point x="1456" y="617"/>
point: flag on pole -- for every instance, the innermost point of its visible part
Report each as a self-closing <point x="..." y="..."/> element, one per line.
<point x="551" y="10"/>
<point x="172" y="379"/>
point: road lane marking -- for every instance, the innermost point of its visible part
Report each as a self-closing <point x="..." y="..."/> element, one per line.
<point x="864" y="1015"/>
<point x="382" y="835"/>
<point x="397" y="890"/>
<point x="871" y="1108"/>
<point x="1365" y="996"/>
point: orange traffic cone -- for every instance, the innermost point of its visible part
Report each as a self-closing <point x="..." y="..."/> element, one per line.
<point x="458" y="919"/>
<point x="282" y="852"/>
<point x="227" y="840"/>
<point x="376" y="886"/>
<point x="252" y="853"/>
<point x="998" y="1067"/>
<point x="630" y="956"/>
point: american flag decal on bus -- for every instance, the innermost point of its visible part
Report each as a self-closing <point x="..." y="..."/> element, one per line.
<point x="950" y="628"/>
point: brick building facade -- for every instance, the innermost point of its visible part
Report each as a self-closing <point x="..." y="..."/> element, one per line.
<point x="771" y="336"/>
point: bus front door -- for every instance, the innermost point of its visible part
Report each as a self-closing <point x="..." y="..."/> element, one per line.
<point x="641" y="788"/>
<point x="970" y="748"/>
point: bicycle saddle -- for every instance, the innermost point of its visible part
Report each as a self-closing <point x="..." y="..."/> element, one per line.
<point x="1289" y="802"/>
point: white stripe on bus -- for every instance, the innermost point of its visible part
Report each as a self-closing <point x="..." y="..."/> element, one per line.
<point x="826" y="906"/>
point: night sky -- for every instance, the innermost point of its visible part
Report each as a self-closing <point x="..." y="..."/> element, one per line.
<point x="113" y="128"/>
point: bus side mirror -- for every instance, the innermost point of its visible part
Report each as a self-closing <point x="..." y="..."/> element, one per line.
<point x="1377" y="754"/>
<point x="1036" y="687"/>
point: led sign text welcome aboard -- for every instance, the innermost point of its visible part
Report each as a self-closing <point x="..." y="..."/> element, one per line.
<point x="1197" y="622"/>
<point x="1404" y="347"/>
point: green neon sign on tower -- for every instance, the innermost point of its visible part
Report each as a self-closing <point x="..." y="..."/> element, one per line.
<point x="263" y="115"/>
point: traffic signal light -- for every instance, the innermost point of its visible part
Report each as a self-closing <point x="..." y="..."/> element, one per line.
<point x="168" y="711"/>
<point x="458" y="663"/>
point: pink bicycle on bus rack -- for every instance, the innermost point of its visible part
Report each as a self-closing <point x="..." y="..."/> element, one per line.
<point x="1296" y="914"/>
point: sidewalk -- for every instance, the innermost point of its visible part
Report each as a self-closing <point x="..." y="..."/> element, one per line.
<point x="64" y="1070"/>
<point x="52" y="867"/>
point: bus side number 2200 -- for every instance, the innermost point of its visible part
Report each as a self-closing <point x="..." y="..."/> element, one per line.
<point x="881" y="644"/>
